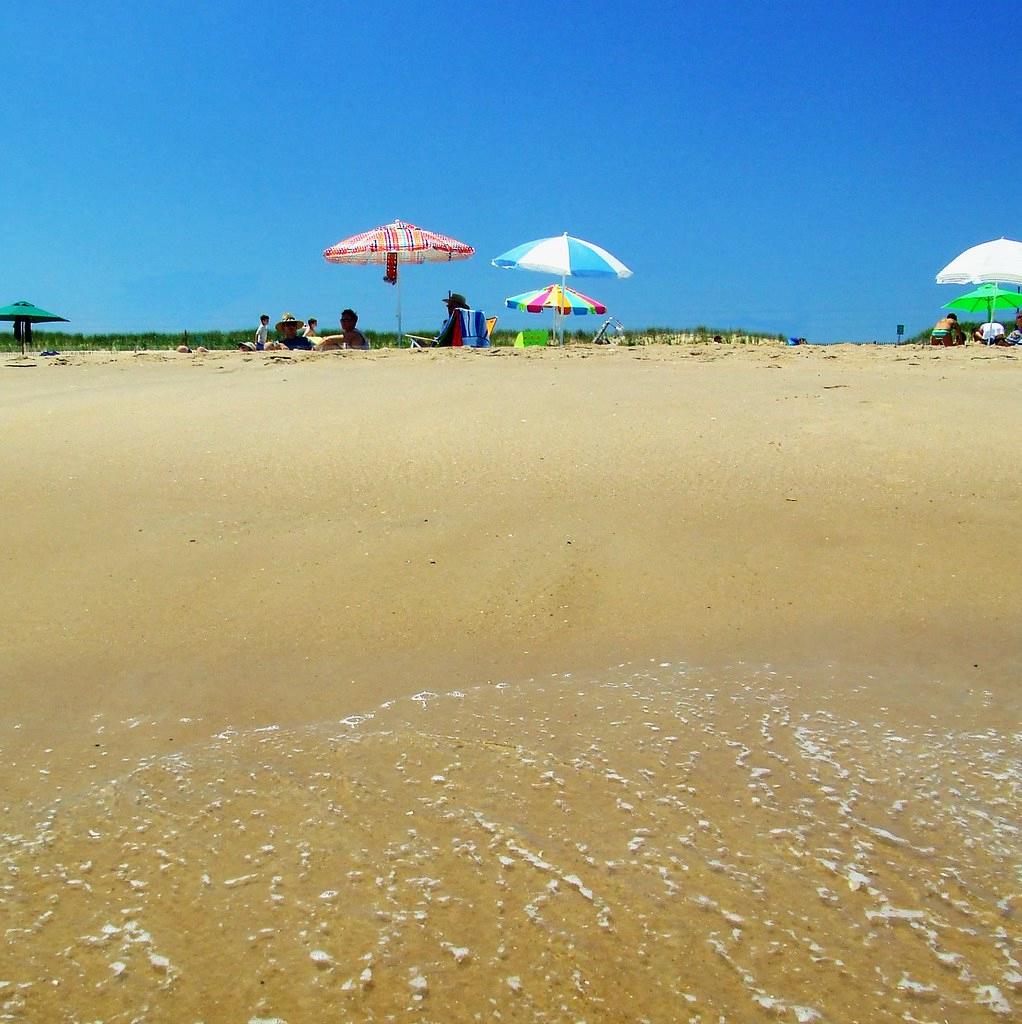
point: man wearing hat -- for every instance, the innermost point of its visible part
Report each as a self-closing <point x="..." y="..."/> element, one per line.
<point x="288" y="327"/>
<point x="454" y="302"/>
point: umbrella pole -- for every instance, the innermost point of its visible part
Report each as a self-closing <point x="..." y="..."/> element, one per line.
<point x="560" y="315"/>
<point x="398" y="303"/>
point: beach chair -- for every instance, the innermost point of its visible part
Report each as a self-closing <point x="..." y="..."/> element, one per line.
<point x="467" y="328"/>
<point x="523" y="339"/>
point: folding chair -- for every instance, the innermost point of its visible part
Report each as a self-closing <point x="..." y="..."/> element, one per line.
<point x="467" y="328"/>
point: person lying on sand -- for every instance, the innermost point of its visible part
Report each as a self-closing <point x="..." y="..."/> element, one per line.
<point x="350" y="336"/>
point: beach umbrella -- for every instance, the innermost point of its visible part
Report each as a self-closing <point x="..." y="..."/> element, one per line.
<point x="996" y="262"/>
<point x="392" y="244"/>
<point x="985" y="299"/>
<point x="564" y="255"/>
<point x="565" y="301"/>
<point x="24" y="314"/>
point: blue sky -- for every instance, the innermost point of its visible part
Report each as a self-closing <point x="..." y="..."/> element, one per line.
<point x="795" y="168"/>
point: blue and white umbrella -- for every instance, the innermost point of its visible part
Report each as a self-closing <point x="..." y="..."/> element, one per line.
<point x="563" y="255"/>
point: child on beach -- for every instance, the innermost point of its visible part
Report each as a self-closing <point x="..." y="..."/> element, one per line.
<point x="258" y="343"/>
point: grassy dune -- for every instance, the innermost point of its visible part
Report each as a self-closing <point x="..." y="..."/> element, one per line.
<point x="64" y="341"/>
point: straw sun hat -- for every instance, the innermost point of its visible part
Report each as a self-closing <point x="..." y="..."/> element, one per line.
<point x="289" y="318"/>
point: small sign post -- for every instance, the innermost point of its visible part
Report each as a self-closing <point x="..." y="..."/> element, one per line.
<point x="901" y="332"/>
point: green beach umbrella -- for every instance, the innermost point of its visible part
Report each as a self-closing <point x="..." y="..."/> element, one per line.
<point x="24" y="314"/>
<point x="985" y="299"/>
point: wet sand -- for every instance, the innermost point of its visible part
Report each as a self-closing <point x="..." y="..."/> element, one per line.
<point x="576" y="685"/>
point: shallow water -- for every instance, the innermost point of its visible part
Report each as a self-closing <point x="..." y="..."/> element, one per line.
<point x="655" y="844"/>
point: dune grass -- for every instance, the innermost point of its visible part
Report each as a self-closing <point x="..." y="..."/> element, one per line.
<point x="64" y="341"/>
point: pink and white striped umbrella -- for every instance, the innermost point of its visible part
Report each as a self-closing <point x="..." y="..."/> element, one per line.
<point x="412" y="245"/>
<point x="396" y="243"/>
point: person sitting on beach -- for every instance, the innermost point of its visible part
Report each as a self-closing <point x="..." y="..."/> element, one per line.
<point x="288" y="327"/>
<point x="350" y="336"/>
<point x="454" y="302"/>
<point x="1015" y="338"/>
<point x="311" y="330"/>
<point x="947" y="331"/>
<point x="989" y="334"/>
<point x="448" y="335"/>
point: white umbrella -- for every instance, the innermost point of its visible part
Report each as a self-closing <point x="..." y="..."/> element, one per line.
<point x="996" y="262"/>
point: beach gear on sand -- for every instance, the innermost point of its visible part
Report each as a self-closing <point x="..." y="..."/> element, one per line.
<point x="24" y="314"/>
<point x="466" y="328"/>
<point x="564" y="255"/>
<point x="609" y="326"/>
<point x="394" y="243"/>
<point x="563" y="301"/>
<point x="526" y="339"/>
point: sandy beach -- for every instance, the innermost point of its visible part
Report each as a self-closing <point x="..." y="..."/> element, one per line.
<point x="572" y="685"/>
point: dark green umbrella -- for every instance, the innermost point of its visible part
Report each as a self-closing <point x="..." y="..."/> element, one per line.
<point x="24" y="314"/>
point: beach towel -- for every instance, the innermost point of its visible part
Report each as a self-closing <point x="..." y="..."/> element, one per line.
<point x="471" y="331"/>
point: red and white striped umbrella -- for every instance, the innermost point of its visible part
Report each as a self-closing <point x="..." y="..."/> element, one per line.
<point x="396" y="243"/>
<point x="412" y="245"/>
